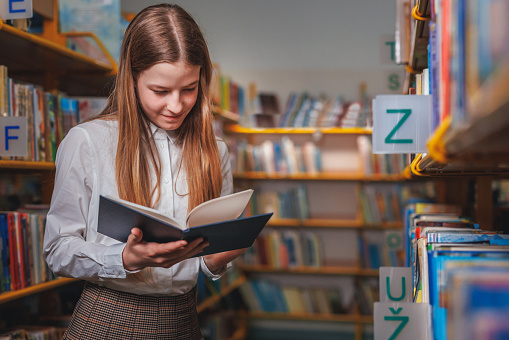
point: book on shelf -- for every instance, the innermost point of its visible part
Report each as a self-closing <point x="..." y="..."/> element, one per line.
<point x="217" y="221"/>
<point x="262" y="295"/>
<point x="440" y="261"/>
<point x="22" y="264"/>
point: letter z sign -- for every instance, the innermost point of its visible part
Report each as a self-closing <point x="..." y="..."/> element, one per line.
<point x="13" y="136"/>
<point x="401" y="123"/>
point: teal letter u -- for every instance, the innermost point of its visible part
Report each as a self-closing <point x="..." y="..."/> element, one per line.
<point x="403" y="290"/>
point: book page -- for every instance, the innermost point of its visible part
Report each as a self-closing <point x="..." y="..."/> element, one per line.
<point x="219" y="209"/>
<point x="147" y="211"/>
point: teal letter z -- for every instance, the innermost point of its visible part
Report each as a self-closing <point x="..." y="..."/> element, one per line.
<point x="388" y="139"/>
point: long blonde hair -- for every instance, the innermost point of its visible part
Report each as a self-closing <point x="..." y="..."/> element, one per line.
<point x="163" y="33"/>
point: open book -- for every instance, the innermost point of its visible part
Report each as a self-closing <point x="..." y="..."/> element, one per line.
<point x="216" y="220"/>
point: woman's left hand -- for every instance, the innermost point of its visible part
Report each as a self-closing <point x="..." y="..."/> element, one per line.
<point x="215" y="262"/>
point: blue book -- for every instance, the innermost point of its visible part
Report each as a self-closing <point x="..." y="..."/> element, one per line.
<point x="437" y="261"/>
<point x="5" y="280"/>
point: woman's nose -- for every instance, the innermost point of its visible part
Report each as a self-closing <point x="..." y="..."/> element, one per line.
<point x="174" y="103"/>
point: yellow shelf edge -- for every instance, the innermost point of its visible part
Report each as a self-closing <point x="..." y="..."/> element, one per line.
<point x="17" y="294"/>
<point x="28" y="165"/>
<point x="303" y="130"/>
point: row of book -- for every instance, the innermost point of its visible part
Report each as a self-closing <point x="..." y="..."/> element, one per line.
<point x="285" y="249"/>
<point x="380" y="203"/>
<point x="304" y="110"/>
<point x="468" y="51"/>
<point x="276" y="157"/>
<point x="270" y="297"/>
<point x="367" y="292"/>
<point x="226" y="93"/>
<point x="22" y="263"/>
<point x="289" y="203"/>
<point x="49" y="115"/>
<point x="460" y="269"/>
<point x="379" y="164"/>
<point x="381" y="249"/>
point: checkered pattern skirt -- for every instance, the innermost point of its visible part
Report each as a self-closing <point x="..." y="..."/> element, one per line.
<point x="103" y="313"/>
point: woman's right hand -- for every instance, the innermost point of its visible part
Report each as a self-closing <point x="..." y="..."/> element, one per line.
<point x="139" y="254"/>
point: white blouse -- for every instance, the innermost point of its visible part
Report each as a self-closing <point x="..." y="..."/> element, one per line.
<point x="85" y="169"/>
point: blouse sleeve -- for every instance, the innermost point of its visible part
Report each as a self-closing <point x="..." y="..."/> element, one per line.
<point x="227" y="189"/>
<point x="66" y="250"/>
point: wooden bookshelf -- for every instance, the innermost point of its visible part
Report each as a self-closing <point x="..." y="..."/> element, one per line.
<point x="17" y="294"/>
<point x="356" y="177"/>
<point x="350" y="271"/>
<point x="43" y="62"/>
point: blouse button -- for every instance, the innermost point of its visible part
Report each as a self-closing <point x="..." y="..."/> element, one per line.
<point x="166" y="180"/>
<point x="161" y="145"/>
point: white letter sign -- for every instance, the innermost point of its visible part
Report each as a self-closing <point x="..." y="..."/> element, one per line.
<point x="13" y="136"/>
<point x="15" y="9"/>
<point x="401" y="123"/>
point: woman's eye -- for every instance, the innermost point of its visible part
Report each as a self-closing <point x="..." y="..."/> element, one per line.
<point x="160" y="92"/>
<point x="190" y="89"/>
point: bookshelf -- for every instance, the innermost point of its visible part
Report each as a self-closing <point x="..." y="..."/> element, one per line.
<point x="335" y="183"/>
<point x="43" y="60"/>
<point x="469" y="145"/>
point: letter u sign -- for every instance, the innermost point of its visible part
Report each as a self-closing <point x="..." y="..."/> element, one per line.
<point x="403" y="290"/>
<point x="395" y="284"/>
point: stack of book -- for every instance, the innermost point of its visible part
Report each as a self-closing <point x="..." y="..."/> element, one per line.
<point x="461" y="270"/>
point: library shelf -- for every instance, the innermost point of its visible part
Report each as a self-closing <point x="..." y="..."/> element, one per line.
<point x="27" y="165"/>
<point x="44" y="62"/>
<point x="356" y="177"/>
<point x="323" y="270"/>
<point x="17" y="294"/>
<point x="212" y="300"/>
<point x="293" y="130"/>
<point x="349" y="318"/>
<point x="478" y="147"/>
<point x="333" y="223"/>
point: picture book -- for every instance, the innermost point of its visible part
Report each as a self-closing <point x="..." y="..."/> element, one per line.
<point x="216" y="220"/>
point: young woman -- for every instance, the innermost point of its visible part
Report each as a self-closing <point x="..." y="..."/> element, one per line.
<point x="153" y="145"/>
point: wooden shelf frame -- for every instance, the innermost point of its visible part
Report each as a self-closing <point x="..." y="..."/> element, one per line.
<point x="212" y="300"/>
<point x="304" y="130"/>
<point x="21" y="293"/>
<point x="45" y="61"/>
<point x="323" y="270"/>
<point x="27" y="165"/>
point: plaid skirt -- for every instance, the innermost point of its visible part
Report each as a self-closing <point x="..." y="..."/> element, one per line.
<point x="103" y="313"/>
